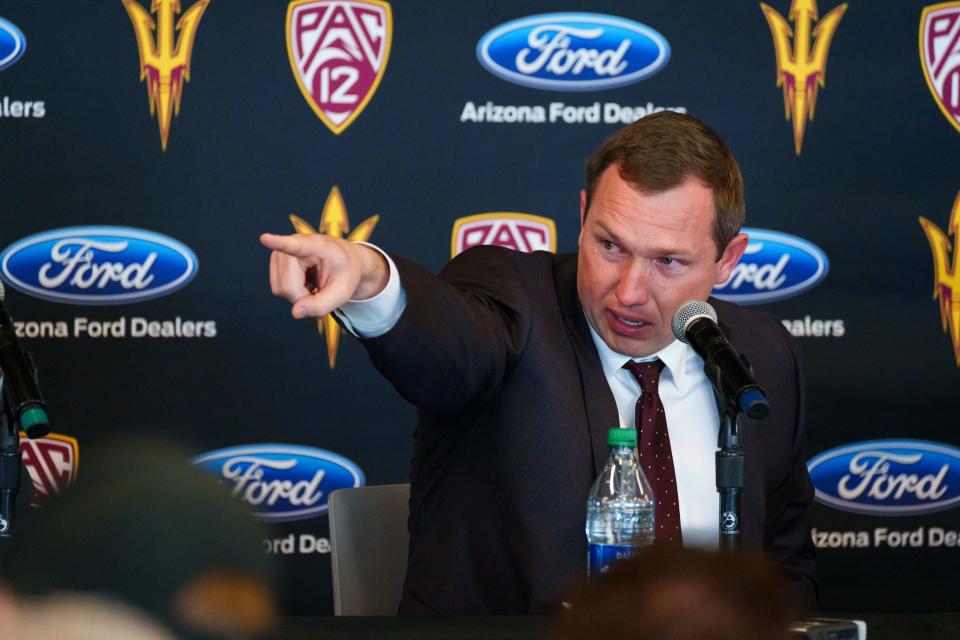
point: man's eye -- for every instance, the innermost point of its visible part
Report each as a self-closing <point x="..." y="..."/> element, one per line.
<point x="609" y="246"/>
<point x="668" y="261"/>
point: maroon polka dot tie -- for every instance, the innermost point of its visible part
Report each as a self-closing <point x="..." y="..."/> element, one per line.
<point x="653" y="447"/>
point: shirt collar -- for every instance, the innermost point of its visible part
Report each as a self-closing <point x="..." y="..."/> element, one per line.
<point x="674" y="356"/>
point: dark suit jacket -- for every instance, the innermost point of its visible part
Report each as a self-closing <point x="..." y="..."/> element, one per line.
<point x="513" y="412"/>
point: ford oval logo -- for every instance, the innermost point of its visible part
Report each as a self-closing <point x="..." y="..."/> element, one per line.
<point x="97" y="265"/>
<point x="282" y="481"/>
<point x="775" y="266"/>
<point x="12" y="44"/>
<point x="573" y="51"/>
<point x="888" y="477"/>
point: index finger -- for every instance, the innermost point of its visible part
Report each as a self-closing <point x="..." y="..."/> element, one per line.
<point x="297" y="245"/>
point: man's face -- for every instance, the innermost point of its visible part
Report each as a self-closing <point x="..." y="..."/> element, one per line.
<point x="642" y="255"/>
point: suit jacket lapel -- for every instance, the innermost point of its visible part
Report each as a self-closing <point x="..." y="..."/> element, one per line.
<point x="601" y="409"/>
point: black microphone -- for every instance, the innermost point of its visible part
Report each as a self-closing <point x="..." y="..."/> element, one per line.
<point x="20" y="390"/>
<point x="695" y="323"/>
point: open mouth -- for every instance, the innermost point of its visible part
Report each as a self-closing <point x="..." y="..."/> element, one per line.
<point x="628" y="326"/>
<point x="631" y="323"/>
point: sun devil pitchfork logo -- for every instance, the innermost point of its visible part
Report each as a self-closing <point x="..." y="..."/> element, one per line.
<point x="51" y="462"/>
<point x="802" y="70"/>
<point x="334" y="223"/>
<point x="940" y="56"/>
<point x="165" y="62"/>
<point x="338" y="51"/>
<point x="946" y="273"/>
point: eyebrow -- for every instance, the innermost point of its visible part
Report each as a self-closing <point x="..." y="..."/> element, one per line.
<point x="658" y="251"/>
<point x="613" y="235"/>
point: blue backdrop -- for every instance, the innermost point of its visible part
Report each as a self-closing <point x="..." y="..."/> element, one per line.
<point x="134" y="271"/>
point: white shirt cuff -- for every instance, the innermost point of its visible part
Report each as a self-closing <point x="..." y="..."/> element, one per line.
<point x="375" y="316"/>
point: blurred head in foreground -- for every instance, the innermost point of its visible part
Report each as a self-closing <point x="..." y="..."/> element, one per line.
<point x="676" y="593"/>
<point x="63" y="616"/>
<point x="143" y="527"/>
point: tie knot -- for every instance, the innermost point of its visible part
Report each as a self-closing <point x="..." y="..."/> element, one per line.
<point x="646" y="373"/>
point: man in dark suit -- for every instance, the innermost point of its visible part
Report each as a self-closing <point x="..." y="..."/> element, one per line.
<point x="515" y="362"/>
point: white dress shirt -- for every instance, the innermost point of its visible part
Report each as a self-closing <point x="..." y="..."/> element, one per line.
<point x="693" y="423"/>
<point x="686" y="394"/>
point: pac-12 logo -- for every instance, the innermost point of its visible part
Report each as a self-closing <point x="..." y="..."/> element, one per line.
<point x="338" y="51"/>
<point x="52" y="463"/>
<point x="573" y="51"/>
<point x="940" y="56"/>
<point x="888" y="477"/>
<point x="12" y="44"/>
<point x="97" y="265"/>
<point x="774" y="266"/>
<point x="281" y="481"/>
<point x="518" y="231"/>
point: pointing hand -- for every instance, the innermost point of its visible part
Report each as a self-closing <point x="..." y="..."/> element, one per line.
<point x="318" y="273"/>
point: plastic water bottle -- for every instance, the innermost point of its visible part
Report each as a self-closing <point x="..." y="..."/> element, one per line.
<point x="620" y="507"/>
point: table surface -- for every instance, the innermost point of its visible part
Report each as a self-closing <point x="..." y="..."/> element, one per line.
<point x="920" y="626"/>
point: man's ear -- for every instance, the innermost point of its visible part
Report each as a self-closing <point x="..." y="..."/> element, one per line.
<point x="583" y="206"/>
<point x="731" y="255"/>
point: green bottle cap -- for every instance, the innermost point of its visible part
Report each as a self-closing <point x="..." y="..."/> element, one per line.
<point x="622" y="437"/>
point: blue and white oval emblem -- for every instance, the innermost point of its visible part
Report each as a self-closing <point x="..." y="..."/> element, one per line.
<point x="282" y="482"/>
<point x="98" y="265"/>
<point x="573" y="51"/>
<point x="12" y="44"/>
<point x="888" y="477"/>
<point x="775" y="266"/>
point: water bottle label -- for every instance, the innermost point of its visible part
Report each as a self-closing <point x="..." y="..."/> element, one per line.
<point x="601" y="556"/>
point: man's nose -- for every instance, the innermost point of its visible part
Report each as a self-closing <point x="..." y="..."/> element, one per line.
<point x="633" y="287"/>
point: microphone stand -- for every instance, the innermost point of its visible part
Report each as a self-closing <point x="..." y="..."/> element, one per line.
<point x="729" y="478"/>
<point x="10" y="461"/>
<point x="729" y="458"/>
<point x="731" y="376"/>
<point x="9" y="466"/>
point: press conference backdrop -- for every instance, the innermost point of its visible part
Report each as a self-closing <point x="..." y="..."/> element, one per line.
<point x="144" y="152"/>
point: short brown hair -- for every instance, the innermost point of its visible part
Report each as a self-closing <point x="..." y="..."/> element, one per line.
<point x="660" y="151"/>
<point x="670" y="592"/>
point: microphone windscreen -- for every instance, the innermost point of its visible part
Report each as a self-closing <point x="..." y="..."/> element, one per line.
<point x="687" y="313"/>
